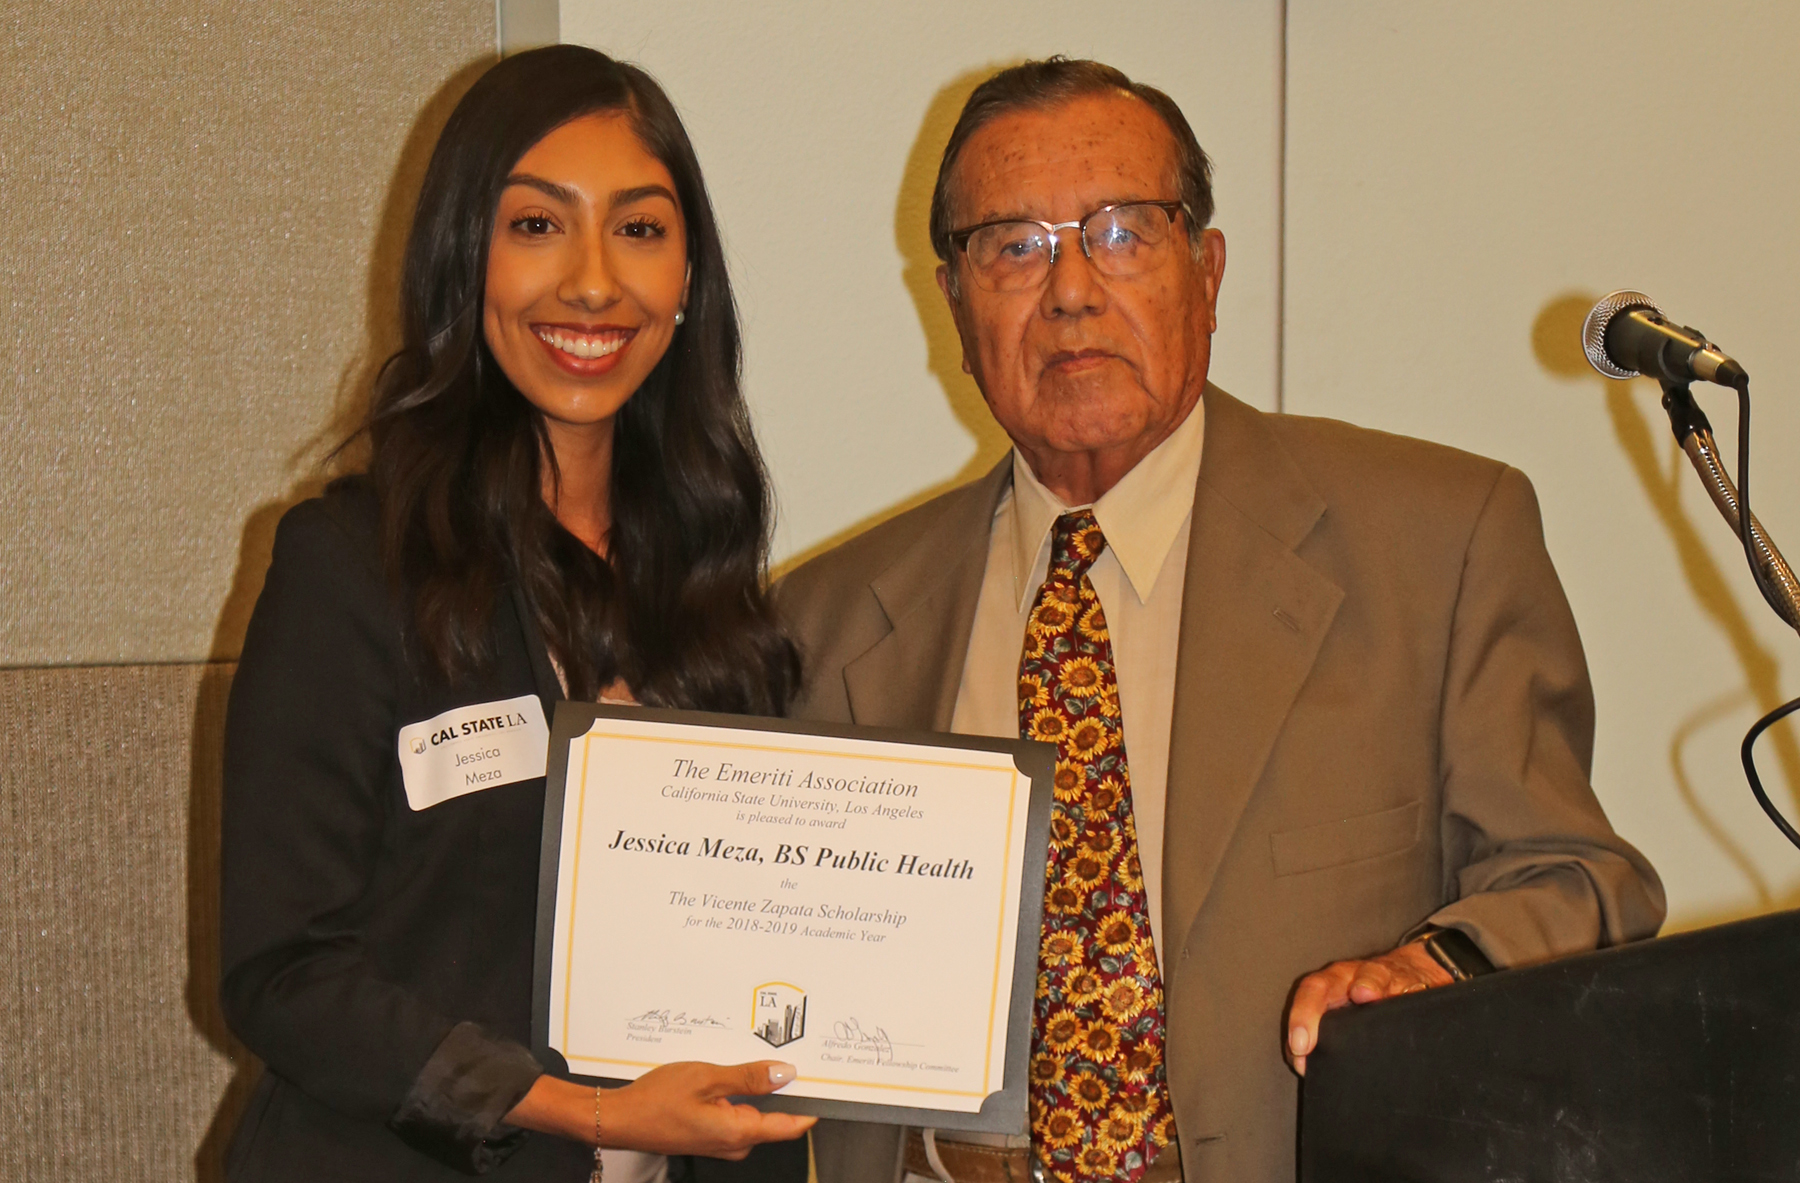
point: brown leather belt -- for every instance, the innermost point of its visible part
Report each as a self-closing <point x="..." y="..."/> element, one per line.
<point x="969" y="1163"/>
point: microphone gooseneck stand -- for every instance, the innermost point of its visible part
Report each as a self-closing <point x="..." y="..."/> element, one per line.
<point x="1774" y="578"/>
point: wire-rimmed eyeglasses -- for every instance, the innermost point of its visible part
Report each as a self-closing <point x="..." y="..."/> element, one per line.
<point x="1012" y="254"/>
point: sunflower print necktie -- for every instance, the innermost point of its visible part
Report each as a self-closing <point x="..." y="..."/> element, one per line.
<point x="1099" y="1095"/>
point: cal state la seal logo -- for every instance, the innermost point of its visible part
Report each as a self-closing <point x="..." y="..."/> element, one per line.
<point x="778" y="1015"/>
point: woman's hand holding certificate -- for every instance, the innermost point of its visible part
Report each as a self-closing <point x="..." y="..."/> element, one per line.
<point x="677" y="1109"/>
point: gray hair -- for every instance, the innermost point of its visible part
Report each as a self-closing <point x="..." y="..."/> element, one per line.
<point x="1036" y="85"/>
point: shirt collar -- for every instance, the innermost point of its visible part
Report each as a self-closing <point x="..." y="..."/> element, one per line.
<point x="1141" y="516"/>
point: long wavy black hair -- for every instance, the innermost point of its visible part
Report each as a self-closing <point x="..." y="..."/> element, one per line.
<point x="678" y="607"/>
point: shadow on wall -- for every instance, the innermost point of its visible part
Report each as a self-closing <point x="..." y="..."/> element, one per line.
<point x="206" y="761"/>
<point x="336" y="448"/>
<point x="325" y="455"/>
<point x="912" y="214"/>
<point x="1556" y="342"/>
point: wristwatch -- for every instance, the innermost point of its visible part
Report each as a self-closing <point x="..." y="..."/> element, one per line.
<point x="1451" y="948"/>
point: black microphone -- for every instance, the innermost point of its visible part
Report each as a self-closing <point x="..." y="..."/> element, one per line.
<point x="1626" y="334"/>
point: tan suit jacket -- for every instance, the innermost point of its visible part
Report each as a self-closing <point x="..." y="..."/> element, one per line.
<point x="1381" y="714"/>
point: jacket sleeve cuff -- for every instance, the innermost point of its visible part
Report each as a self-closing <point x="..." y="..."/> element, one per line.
<point x="455" y="1109"/>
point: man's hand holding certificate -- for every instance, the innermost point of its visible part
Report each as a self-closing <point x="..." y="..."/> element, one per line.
<point x="728" y="893"/>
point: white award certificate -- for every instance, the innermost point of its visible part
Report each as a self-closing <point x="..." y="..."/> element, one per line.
<point x="864" y="905"/>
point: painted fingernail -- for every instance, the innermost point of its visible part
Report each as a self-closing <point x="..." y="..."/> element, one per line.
<point x="780" y="1074"/>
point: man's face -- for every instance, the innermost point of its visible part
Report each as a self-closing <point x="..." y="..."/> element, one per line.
<point x="1086" y="362"/>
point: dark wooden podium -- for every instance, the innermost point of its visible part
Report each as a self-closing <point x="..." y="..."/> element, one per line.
<point x="1673" y="1059"/>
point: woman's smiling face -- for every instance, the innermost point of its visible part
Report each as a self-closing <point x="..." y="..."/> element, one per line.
<point x="587" y="270"/>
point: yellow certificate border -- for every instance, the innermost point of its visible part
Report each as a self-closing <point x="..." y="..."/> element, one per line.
<point x="1006" y="863"/>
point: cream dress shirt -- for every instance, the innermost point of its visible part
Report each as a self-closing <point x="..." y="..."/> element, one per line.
<point x="1139" y="579"/>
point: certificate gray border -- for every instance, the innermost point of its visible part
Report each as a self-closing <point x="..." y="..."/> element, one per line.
<point x="1004" y="1111"/>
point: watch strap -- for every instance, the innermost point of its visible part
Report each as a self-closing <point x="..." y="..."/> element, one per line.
<point x="1451" y="948"/>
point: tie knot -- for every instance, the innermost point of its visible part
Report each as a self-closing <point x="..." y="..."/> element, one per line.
<point x="1076" y="544"/>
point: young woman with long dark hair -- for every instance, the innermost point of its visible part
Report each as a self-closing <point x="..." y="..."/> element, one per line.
<point x="563" y="497"/>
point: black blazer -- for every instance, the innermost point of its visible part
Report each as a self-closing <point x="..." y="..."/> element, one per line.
<point x="378" y="959"/>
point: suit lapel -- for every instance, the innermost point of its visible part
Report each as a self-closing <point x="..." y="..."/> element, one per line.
<point x="543" y="674"/>
<point x="1253" y="617"/>
<point x="909" y="678"/>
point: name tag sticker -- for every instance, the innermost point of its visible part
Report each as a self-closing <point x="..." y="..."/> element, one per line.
<point x="476" y="747"/>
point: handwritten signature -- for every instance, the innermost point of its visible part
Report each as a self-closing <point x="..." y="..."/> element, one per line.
<point x="851" y="1032"/>
<point x="665" y="1020"/>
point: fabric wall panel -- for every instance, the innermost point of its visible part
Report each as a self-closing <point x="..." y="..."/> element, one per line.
<point x="191" y="197"/>
<point x="118" y="1064"/>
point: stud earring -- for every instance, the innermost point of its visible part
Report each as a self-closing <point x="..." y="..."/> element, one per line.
<point x="679" y="317"/>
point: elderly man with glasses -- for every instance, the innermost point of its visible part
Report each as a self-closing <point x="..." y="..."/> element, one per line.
<point x="1323" y="722"/>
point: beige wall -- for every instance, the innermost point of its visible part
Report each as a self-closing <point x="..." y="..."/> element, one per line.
<point x="1463" y="181"/>
<point x="191" y="198"/>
